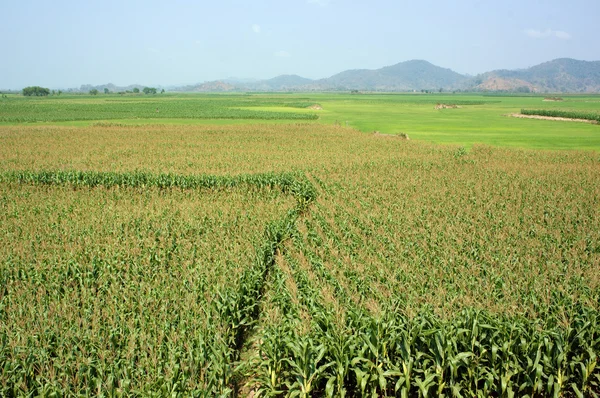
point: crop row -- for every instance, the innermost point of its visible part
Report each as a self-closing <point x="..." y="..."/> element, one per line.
<point x="474" y="353"/>
<point x="415" y="271"/>
<point x="562" y="113"/>
<point x="469" y="276"/>
<point x="293" y="184"/>
<point x="47" y="110"/>
<point x="108" y="319"/>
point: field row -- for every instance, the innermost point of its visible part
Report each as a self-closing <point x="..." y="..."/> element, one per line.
<point x="318" y="261"/>
<point x="129" y="283"/>
<point x="456" y="274"/>
<point x="25" y="110"/>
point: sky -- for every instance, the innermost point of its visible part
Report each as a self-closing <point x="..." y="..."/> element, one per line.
<point x="64" y="44"/>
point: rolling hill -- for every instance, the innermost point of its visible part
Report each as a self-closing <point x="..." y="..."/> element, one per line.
<point x="560" y="75"/>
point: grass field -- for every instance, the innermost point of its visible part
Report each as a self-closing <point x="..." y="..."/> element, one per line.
<point x="480" y="118"/>
<point x="171" y="257"/>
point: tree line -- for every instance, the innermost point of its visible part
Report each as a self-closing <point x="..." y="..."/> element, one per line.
<point x="37" y="91"/>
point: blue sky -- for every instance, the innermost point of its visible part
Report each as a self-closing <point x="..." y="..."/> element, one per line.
<point x="61" y="44"/>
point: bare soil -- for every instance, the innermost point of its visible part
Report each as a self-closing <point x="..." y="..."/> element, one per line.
<point x="446" y="106"/>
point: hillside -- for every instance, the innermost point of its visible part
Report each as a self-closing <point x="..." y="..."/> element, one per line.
<point x="404" y="76"/>
<point x="559" y="75"/>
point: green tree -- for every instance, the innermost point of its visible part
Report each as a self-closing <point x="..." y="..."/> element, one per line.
<point x="149" y="90"/>
<point x="36" y="91"/>
<point x="106" y="90"/>
<point x="94" y="91"/>
<point x="163" y="90"/>
<point x="136" y="90"/>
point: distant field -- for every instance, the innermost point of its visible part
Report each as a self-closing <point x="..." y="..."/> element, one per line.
<point x="478" y="118"/>
<point x="78" y="108"/>
<point x="215" y="260"/>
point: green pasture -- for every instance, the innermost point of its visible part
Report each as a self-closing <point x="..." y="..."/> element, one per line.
<point x="479" y="118"/>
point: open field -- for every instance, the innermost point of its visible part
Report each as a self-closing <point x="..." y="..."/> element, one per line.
<point x="278" y="258"/>
<point x="479" y="118"/>
<point x="109" y="289"/>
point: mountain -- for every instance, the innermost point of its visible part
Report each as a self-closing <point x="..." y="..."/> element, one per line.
<point x="559" y="75"/>
<point x="278" y="83"/>
<point x="405" y="76"/>
<point x="287" y="82"/>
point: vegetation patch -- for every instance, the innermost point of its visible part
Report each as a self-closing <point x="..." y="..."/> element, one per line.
<point x="299" y="258"/>
<point x="562" y="114"/>
<point x="25" y="110"/>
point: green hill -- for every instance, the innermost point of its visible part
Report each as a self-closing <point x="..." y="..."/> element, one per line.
<point x="404" y="76"/>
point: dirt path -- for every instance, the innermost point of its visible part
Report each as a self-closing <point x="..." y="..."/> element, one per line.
<point x="564" y="119"/>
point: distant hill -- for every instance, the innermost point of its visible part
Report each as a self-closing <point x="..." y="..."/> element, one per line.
<point x="287" y="81"/>
<point x="279" y="83"/>
<point x="559" y="75"/>
<point x="405" y="76"/>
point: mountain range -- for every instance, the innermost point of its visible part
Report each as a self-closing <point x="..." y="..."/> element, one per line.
<point x="559" y="75"/>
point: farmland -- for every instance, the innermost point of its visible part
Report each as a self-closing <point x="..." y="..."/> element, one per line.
<point x="477" y="118"/>
<point x="246" y="247"/>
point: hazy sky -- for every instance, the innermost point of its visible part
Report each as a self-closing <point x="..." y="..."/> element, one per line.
<point x="61" y="44"/>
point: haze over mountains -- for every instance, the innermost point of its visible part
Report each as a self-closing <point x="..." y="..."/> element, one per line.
<point x="561" y="75"/>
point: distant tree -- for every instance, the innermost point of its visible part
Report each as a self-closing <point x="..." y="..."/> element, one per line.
<point x="59" y="92"/>
<point x="106" y="90"/>
<point x="162" y="91"/>
<point x="36" y="91"/>
<point x="136" y="90"/>
<point x="94" y="91"/>
<point x="149" y="90"/>
<point x="441" y="89"/>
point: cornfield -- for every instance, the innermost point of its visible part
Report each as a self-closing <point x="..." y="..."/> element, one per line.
<point x="294" y="261"/>
<point x="562" y="113"/>
<point x="27" y="110"/>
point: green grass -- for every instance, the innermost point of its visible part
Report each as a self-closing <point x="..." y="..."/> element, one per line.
<point x="479" y="118"/>
<point x="487" y="123"/>
<point x="61" y="109"/>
